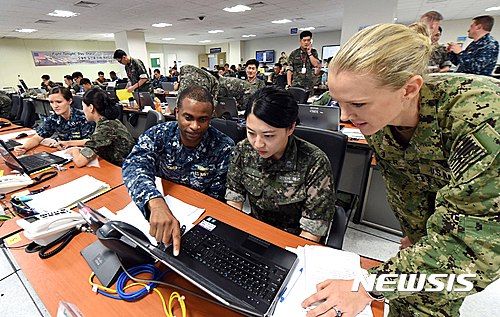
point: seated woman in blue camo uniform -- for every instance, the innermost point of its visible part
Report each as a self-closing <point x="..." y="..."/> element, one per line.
<point x="288" y="180"/>
<point x="111" y="140"/>
<point x="66" y="123"/>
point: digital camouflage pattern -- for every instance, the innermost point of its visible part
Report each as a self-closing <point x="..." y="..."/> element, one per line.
<point x="76" y="128"/>
<point x="137" y="71"/>
<point x="283" y="60"/>
<point x="478" y="58"/>
<point x="240" y="89"/>
<point x="298" y="59"/>
<point x="258" y="83"/>
<point x="439" y="58"/>
<point x="5" y="106"/>
<point x="444" y="188"/>
<point x="159" y="152"/>
<point x="111" y="141"/>
<point x="294" y="193"/>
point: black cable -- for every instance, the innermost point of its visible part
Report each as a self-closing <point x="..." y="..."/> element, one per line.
<point x="63" y="240"/>
<point x="16" y="247"/>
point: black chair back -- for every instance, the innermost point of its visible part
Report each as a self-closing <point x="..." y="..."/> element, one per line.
<point x="226" y="107"/>
<point x="280" y="81"/>
<point x="17" y="107"/>
<point x="299" y="94"/>
<point x="77" y="102"/>
<point x="230" y="128"/>
<point x="28" y="115"/>
<point x="153" y="118"/>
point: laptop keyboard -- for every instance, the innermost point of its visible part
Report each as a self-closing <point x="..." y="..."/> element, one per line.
<point x="32" y="162"/>
<point x="257" y="278"/>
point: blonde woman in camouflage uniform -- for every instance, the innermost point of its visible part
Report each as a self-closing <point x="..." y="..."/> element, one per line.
<point x="437" y="142"/>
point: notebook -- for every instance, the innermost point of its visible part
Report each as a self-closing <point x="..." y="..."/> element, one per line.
<point x="238" y="269"/>
<point x="29" y="164"/>
<point x="144" y="99"/>
<point x="321" y="117"/>
<point x="172" y="103"/>
<point x="167" y="86"/>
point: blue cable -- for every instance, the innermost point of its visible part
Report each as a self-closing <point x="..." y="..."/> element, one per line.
<point x="123" y="279"/>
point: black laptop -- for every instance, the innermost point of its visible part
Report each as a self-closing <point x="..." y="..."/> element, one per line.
<point x="143" y="99"/>
<point x="321" y="117"/>
<point x="238" y="269"/>
<point x="29" y="164"/>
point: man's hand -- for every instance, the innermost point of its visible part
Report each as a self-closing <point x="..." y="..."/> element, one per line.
<point x="130" y="88"/>
<point x="454" y="47"/>
<point x="62" y="145"/>
<point x="163" y="225"/>
<point x="405" y="243"/>
<point x="338" y="294"/>
<point x="20" y="149"/>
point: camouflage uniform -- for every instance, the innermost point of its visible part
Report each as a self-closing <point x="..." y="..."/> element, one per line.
<point x="258" y="83"/>
<point x="241" y="90"/>
<point x="111" y="141"/>
<point x="325" y="100"/>
<point x="439" y="58"/>
<point x="159" y="152"/>
<point x="283" y="60"/>
<point x="137" y="71"/>
<point x="49" y="86"/>
<point x="296" y="61"/>
<point x="76" y="128"/>
<point x="5" y="106"/>
<point x="75" y="87"/>
<point x="294" y="193"/>
<point x="478" y="58"/>
<point x="444" y="188"/>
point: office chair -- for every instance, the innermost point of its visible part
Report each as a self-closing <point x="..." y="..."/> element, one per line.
<point x="280" y="81"/>
<point x="226" y="108"/>
<point x="230" y="128"/>
<point x="40" y="108"/>
<point x="334" y="145"/>
<point x="17" y="107"/>
<point x="28" y="115"/>
<point x="77" y="102"/>
<point x="299" y="94"/>
<point x="153" y="118"/>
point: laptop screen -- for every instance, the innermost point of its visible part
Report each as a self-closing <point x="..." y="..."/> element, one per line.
<point x="9" y="159"/>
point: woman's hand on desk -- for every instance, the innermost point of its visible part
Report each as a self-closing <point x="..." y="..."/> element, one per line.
<point x="62" y="145"/>
<point x="338" y="294"/>
<point x="163" y="225"/>
<point x="20" y="150"/>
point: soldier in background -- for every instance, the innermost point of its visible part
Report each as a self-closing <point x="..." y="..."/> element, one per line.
<point x="283" y="59"/>
<point x="288" y="181"/>
<point x="439" y="61"/>
<point x="302" y="62"/>
<point x="5" y="106"/>
<point x="136" y="72"/>
<point x="436" y="144"/>
<point x="188" y="151"/>
<point x="251" y="71"/>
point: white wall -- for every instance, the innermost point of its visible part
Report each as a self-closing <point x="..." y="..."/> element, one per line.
<point x="186" y="54"/>
<point x="18" y="60"/>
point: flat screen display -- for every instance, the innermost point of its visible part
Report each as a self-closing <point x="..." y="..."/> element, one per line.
<point x="266" y="56"/>
<point x="329" y="50"/>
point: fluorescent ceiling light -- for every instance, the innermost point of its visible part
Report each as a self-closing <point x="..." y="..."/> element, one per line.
<point x="26" y="30"/>
<point x="215" y="31"/>
<point x="311" y="28"/>
<point x="63" y="14"/>
<point x="281" y="21"/>
<point x="395" y="19"/>
<point x="168" y="38"/>
<point x="248" y="35"/>
<point x="492" y="9"/>
<point x="108" y="35"/>
<point x="161" y="25"/>
<point x="205" y="41"/>
<point x="238" y="8"/>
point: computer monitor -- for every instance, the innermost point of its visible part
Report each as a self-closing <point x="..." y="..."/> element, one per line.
<point x="23" y="84"/>
<point x="321" y="117"/>
<point x="266" y="56"/>
<point x="144" y="99"/>
<point x="329" y="51"/>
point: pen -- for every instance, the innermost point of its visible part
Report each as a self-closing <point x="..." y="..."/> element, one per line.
<point x="290" y="285"/>
<point x="36" y="191"/>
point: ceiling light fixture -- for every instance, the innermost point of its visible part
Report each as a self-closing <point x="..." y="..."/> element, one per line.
<point x="26" y="30"/>
<point x="205" y="41"/>
<point x="237" y="8"/>
<point x="168" y="38"/>
<point x="63" y="14"/>
<point x="281" y="21"/>
<point x="492" y="9"/>
<point x="215" y="31"/>
<point x="310" y="28"/>
<point x="161" y="25"/>
<point x="248" y="35"/>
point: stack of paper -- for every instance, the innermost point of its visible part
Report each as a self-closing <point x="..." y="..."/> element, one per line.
<point x="67" y="195"/>
<point x="353" y="134"/>
<point x="316" y="264"/>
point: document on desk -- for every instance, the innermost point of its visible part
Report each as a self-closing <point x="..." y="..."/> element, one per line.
<point x="13" y="135"/>
<point x="316" y="264"/>
<point x="66" y="196"/>
<point x="65" y="155"/>
<point x="186" y="215"/>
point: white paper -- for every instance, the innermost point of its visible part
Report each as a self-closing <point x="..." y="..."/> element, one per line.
<point x="353" y="133"/>
<point x="13" y="135"/>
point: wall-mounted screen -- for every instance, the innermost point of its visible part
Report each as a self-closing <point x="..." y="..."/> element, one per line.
<point x="266" y="56"/>
<point x="329" y="50"/>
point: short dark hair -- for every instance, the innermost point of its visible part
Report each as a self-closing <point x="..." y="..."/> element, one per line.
<point x="156" y="70"/>
<point x="68" y="77"/>
<point x="283" y="53"/>
<point x="101" y="102"/>
<point x="278" y="65"/>
<point x="305" y="34"/>
<point x="119" y="53"/>
<point x="487" y="21"/>
<point x="252" y="61"/>
<point x="45" y="77"/>
<point x="112" y="73"/>
<point x="77" y="74"/>
<point x="195" y="92"/>
<point x="440" y="30"/>
<point x="84" y="81"/>
<point x="100" y="73"/>
<point x="65" y="92"/>
<point x="432" y="16"/>
<point x="275" y="106"/>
